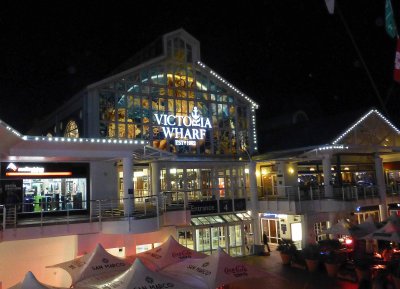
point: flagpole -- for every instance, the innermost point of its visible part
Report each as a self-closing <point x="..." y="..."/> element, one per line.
<point x="362" y="60"/>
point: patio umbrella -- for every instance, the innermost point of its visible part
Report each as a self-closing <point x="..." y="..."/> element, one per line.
<point x="389" y="232"/>
<point x="364" y="228"/>
<point x="170" y="252"/>
<point x="137" y="276"/>
<point x="216" y="270"/>
<point x="342" y="227"/>
<point x="30" y="282"/>
<point x="97" y="262"/>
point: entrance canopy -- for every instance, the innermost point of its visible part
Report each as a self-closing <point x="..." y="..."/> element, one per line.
<point x="17" y="147"/>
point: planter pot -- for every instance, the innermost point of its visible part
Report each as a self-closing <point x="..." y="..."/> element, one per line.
<point x="396" y="281"/>
<point x="312" y="265"/>
<point x="363" y="274"/>
<point x="332" y="269"/>
<point x="285" y="259"/>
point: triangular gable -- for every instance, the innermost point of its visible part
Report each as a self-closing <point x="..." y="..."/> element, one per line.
<point x="371" y="129"/>
<point x="228" y="85"/>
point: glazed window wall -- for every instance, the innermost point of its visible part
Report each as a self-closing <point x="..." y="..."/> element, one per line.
<point x="229" y="231"/>
<point x="54" y="194"/>
<point x="127" y="109"/>
<point x="205" y="183"/>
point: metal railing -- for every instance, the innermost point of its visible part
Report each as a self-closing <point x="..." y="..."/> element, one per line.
<point x="344" y="193"/>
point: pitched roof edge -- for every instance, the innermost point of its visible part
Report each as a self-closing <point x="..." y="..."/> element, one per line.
<point x="360" y="120"/>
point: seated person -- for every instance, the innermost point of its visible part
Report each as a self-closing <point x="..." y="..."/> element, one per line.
<point x="387" y="253"/>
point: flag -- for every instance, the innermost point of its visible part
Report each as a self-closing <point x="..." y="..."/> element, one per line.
<point x="330" y="4"/>
<point x="390" y="24"/>
<point x="397" y="62"/>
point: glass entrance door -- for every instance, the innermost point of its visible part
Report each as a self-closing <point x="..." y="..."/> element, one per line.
<point x="271" y="228"/>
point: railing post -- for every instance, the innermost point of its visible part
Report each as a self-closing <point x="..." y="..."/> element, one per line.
<point x="91" y="210"/>
<point x="365" y="193"/>
<point x="99" y="208"/>
<point x="4" y="217"/>
<point x="41" y="214"/>
<point x="343" y="197"/>
<point x="158" y="213"/>
<point x="68" y="215"/>
<point x="298" y="192"/>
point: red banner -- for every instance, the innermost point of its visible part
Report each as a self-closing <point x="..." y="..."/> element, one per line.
<point x="397" y="62"/>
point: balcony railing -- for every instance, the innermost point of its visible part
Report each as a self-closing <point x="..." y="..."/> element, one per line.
<point x="345" y="193"/>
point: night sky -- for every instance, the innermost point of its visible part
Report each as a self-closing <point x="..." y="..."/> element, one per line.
<point x="285" y="54"/>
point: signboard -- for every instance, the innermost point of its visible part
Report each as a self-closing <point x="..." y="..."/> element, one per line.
<point x="43" y="170"/>
<point x="204" y="207"/>
<point x="186" y="130"/>
<point x="11" y="193"/>
<point x="211" y="207"/>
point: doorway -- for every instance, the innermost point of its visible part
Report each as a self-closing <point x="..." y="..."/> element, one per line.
<point x="271" y="228"/>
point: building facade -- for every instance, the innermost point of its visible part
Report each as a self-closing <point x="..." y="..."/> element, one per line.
<point x="161" y="147"/>
<point x="304" y="191"/>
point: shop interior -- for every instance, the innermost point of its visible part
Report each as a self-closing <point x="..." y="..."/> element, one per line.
<point x="54" y="194"/>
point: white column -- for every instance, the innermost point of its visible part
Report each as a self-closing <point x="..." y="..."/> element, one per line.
<point x="380" y="180"/>
<point x="254" y="202"/>
<point x="127" y="163"/>
<point x="326" y="168"/>
<point x="155" y="180"/>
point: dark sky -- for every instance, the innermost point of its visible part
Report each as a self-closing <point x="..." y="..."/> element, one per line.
<point x="285" y="54"/>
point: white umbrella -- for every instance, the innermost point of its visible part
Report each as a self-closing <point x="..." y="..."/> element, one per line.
<point x="97" y="262"/>
<point x="170" y="252"/>
<point x="215" y="270"/>
<point x="30" y="282"/>
<point x="389" y="232"/>
<point x="364" y="228"/>
<point x="342" y="227"/>
<point x="137" y="276"/>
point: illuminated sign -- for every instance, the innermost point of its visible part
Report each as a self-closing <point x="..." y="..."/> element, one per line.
<point x="185" y="129"/>
<point x="14" y="171"/>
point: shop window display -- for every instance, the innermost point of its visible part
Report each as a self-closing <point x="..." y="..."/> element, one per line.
<point x="54" y="194"/>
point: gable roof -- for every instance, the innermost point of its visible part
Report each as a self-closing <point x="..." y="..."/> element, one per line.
<point x="369" y="128"/>
<point x="133" y="64"/>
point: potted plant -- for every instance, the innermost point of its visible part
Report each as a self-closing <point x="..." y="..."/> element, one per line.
<point x="332" y="263"/>
<point x="363" y="267"/>
<point x="287" y="249"/>
<point x="311" y="254"/>
<point x="394" y="270"/>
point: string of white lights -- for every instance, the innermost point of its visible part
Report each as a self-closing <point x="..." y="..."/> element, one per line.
<point x="253" y="103"/>
<point x="361" y="120"/>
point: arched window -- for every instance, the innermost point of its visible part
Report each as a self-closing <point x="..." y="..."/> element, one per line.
<point x="71" y="129"/>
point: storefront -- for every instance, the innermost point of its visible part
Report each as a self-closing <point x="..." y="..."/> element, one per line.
<point x="232" y="232"/>
<point x="282" y="226"/>
<point x="49" y="187"/>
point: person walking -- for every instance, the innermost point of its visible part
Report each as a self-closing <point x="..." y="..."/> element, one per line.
<point x="265" y="241"/>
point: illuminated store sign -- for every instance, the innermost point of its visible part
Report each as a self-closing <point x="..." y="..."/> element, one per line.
<point x="185" y="129"/>
<point x="14" y="171"/>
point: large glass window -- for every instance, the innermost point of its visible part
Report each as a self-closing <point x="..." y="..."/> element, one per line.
<point x="134" y="106"/>
<point x="54" y="194"/>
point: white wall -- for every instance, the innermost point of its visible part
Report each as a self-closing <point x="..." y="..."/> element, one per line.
<point x="104" y="180"/>
<point x="19" y="257"/>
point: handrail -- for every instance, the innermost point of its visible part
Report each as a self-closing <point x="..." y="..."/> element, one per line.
<point x="344" y="193"/>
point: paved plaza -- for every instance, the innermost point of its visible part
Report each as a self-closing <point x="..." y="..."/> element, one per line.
<point x="287" y="277"/>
